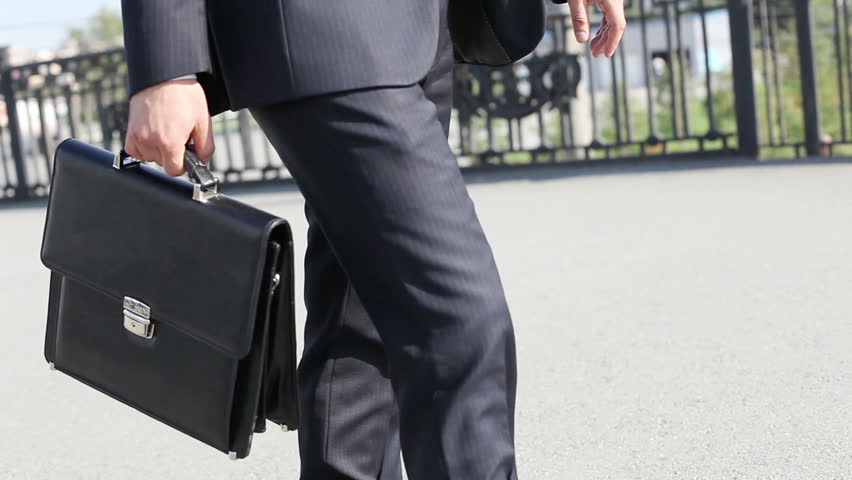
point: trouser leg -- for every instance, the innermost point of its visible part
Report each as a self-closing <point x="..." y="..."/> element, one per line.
<point x="385" y="189"/>
<point x="341" y="344"/>
<point x="349" y="417"/>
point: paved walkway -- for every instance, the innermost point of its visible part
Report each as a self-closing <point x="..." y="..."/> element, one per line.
<point x="688" y="323"/>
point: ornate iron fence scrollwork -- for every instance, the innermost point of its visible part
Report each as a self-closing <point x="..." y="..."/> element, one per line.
<point x="511" y="93"/>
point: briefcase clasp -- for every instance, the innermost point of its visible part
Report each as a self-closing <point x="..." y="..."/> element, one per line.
<point x="202" y="194"/>
<point x="137" y="318"/>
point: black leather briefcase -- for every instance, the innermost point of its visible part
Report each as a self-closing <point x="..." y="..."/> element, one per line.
<point x="170" y="297"/>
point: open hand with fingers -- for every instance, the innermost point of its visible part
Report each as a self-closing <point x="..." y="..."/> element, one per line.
<point x="612" y="26"/>
<point x="163" y="118"/>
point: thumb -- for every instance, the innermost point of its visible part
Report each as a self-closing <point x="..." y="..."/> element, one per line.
<point x="580" y="19"/>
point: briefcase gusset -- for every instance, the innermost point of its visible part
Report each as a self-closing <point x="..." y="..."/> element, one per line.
<point x="180" y="308"/>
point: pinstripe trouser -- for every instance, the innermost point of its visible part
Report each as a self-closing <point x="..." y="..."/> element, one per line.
<point x="409" y="340"/>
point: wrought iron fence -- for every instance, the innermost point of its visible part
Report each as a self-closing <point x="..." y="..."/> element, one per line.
<point x="804" y="76"/>
<point x="82" y="97"/>
<point x="659" y="95"/>
<point x="692" y="77"/>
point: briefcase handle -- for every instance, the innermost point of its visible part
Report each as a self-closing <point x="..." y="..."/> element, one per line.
<point x="205" y="184"/>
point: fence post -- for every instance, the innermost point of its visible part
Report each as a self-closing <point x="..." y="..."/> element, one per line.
<point x="8" y="93"/>
<point x="810" y="93"/>
<point x="741" y="20"/>
<point x="244" y="122"/>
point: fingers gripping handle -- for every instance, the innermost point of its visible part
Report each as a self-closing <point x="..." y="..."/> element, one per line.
<point x="197" y="170"/>
<point x="205" y="184"/>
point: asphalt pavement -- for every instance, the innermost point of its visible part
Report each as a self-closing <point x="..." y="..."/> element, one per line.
<point x="674" y="321"/>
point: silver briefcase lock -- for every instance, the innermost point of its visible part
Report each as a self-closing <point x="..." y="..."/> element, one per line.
<point x="137" y="318"/>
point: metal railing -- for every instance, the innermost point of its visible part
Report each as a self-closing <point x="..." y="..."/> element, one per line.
<point x="804" y="76"/>
<point x="657" y="96"/>
<point x="43" y="103"/>
<point x="693" y="77"/>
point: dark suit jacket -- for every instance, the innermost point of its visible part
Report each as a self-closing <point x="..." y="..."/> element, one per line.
<point x="257" y="52"/>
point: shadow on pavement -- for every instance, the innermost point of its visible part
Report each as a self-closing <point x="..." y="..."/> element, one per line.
<point x="34" y="204"/>
<point x="551" y="171"/>
<point x="537" y="172"/>
<point x="543" y="171"/>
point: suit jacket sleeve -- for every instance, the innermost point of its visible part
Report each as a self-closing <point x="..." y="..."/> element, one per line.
<point x="164" y="39"/>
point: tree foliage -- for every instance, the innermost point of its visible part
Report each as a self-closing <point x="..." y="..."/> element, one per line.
<point x="102" y="31"/>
